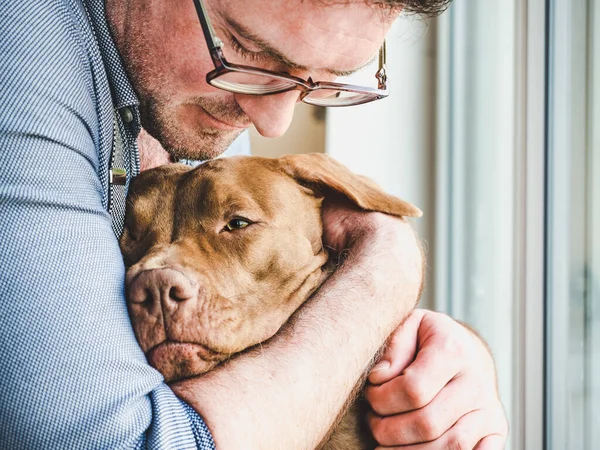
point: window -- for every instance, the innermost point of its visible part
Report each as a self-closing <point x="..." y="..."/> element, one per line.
<point x="493" y="129"/>
<point x="573" y="265"/>
<point x="476" y="178"/>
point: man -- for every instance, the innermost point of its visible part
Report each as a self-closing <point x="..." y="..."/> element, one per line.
<point x="72" y="375"/>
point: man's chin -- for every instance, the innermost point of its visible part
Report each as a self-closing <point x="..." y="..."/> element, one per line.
<point x="188" y="142"/>
<point x="216" y="147"/>
<point x="202" y="147"/>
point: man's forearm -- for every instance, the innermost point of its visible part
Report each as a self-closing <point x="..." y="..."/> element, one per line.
<point x="287" y="392"/>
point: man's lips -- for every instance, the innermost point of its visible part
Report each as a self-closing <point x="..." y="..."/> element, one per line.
<point x="218" y="123"/>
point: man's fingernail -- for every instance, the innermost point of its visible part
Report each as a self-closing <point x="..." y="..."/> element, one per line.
<point x="381" y="365"/>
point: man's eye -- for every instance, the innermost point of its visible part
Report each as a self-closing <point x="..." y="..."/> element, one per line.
<point x="245" y="53"/>
<point x="236" y="224"/>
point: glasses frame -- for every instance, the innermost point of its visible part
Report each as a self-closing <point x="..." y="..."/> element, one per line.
<point x="222" y="67"/>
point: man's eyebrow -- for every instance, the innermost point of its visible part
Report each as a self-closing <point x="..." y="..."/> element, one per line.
<point x="277" y="55"/>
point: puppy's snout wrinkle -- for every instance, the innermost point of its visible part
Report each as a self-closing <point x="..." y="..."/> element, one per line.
<point x="162" y="287"/>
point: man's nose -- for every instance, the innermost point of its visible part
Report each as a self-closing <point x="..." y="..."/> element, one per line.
<point x="161" y="288"/>
<point x="270" y="114"/>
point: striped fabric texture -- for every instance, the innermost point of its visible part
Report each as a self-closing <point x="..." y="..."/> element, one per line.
<point x="71" y="373"/>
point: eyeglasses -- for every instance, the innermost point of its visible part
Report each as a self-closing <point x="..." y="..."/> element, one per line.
<point x="254" y="81"/>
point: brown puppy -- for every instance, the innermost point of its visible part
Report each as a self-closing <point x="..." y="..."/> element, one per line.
<point x="219" y="257"/>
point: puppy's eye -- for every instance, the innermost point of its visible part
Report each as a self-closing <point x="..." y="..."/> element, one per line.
<point x="236" y="224"/>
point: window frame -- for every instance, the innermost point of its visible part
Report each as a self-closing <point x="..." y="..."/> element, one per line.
<point x="530" y="149"/>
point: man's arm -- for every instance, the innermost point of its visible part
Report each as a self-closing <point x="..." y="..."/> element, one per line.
<point x="71" y="372"/>
<point x="287" y="392"/>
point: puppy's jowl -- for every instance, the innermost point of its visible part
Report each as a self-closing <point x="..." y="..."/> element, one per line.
<point x="219" y="257"/>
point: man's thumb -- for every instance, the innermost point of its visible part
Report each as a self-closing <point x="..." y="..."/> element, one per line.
<point x="400" y="350"/>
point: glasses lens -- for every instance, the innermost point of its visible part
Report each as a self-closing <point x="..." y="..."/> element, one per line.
<point x="251" y="83"/>
<point x="335" y="97"/>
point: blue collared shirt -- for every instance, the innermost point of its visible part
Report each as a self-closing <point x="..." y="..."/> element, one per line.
<point x="71" y="372"/>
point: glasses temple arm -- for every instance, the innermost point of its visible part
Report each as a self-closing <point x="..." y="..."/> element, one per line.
<point x="381" y="73"/>
<point x="382" y="55"/>
<point x="212" y="41"/>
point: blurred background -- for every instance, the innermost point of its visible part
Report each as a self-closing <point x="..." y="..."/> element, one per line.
<point x="492" y="128"/>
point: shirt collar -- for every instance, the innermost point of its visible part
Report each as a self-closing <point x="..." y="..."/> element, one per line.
<point x="122" y="90"/>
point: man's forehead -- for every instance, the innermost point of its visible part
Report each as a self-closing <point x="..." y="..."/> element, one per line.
<point x="314" y="34"/>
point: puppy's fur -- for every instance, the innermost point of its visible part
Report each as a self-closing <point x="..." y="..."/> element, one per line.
<point x="220" y="256"/>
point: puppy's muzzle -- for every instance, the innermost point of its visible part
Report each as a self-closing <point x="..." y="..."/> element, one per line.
<point x="165" y="287"/>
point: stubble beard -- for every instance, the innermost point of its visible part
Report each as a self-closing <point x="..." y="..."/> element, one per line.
<point x="159" y="118"/>
<point x="161" y="109"/>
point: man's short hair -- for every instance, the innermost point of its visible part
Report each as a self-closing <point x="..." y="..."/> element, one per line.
<point x="426" y="8"/>
<point x="423" y="7"/>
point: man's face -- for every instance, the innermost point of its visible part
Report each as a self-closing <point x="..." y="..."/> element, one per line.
<point x="166" y="56"/>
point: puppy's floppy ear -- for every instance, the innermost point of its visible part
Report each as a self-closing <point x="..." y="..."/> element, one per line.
<point x="321" y="172"/>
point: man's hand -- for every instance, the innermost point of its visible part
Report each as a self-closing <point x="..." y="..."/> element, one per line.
<point x="435" y="388"/>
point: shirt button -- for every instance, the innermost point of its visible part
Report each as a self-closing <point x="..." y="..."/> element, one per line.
<point x="126" y="115"/>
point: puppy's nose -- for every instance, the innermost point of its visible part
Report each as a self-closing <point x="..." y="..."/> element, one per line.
<point x="161" y="286"/>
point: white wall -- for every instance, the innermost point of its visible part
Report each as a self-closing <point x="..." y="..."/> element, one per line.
<point x="305" y="135"/>
<point x="392" y="140"/>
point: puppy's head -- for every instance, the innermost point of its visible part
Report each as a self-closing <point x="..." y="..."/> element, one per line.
<point x="219" y="257"/>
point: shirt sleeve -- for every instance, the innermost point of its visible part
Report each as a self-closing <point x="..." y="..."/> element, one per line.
<point x="71" y="374"/>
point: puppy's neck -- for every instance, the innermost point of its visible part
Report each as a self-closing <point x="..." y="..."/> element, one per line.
<point x="152" y="153"/>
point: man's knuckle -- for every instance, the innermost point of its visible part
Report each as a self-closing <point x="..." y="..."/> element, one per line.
<point x="453" y="347"/>
<point x="458" y="440"/>
<point x="376" y="400"/>
<point x="376" y="429"/>
<point x="436" y="316"/>
<point x="381" y="431"/>
<point x="417" y="394"/>
<point x="426" y="427"/>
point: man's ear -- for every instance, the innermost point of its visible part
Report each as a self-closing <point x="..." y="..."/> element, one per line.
<point x="323" y="173"/>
